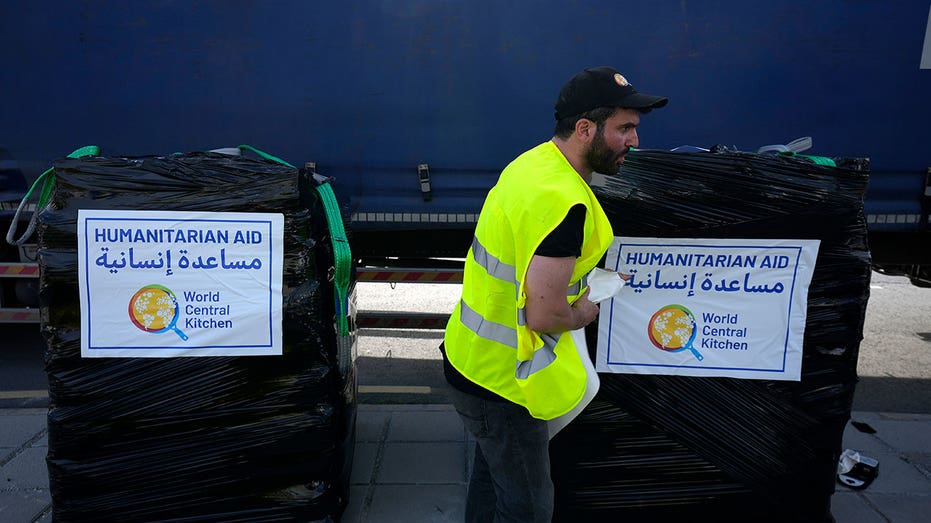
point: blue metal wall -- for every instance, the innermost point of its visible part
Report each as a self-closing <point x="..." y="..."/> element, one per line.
<point x="369" y="89"/>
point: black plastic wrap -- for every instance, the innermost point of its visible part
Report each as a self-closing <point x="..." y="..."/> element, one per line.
<point x="665" y="448"/>
<point x="251" y="438"/>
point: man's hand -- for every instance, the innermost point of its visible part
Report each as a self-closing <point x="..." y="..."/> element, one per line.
<point x="585" y="309"/>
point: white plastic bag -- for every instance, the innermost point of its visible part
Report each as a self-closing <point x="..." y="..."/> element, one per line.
<point x="591" y="387"/>
<point x="604" y="284"/>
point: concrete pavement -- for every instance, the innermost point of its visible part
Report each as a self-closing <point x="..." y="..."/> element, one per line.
<point x="411" y="465"/>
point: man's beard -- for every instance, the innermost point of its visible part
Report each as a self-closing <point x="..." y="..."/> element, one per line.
<point x="601" y="158"/>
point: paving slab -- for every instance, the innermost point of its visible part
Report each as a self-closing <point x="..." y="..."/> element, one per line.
<point x="27" y="470"/>
<point x="445" y="425"/>
<point x="899" y="508"/>
<point x="370" y="424"/>
<point x="19" y="506"/>
<point x="850" y="507"/>
<point x="353" y="512"/>
<point x="906" y="436"/>
<point x="864" y="442"/>
<point x="422" y="463"/>
<point x="17" y="429"/>
<point x="426" y="503"/>
<point x="363" y="463"/>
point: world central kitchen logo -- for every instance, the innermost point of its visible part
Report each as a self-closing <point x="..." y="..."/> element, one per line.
<point x="155" y="309"/>
<point x="673" y="328"/>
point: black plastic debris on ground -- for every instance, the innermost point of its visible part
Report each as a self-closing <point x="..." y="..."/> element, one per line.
<point x="863" y="427"/>
<point x="253" y="438"/>
<point x="663" y="448"/>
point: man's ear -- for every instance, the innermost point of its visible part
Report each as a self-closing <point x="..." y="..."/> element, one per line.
<point x="585" y="130"/>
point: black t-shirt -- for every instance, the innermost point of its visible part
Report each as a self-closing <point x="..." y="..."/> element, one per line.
<point x="565" y="240"/>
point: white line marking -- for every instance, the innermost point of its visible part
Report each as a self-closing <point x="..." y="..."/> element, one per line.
<point x="393" y="389"/>
<point x="20" y="394"/>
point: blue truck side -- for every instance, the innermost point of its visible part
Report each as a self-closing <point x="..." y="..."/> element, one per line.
<point x="414" y="106"/>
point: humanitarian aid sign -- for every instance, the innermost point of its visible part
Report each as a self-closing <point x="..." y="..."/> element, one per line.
<point x="157" y="284"/>
<point x="707" y="307"/>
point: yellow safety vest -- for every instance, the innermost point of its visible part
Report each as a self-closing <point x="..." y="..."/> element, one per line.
<point x="487" y="339"/>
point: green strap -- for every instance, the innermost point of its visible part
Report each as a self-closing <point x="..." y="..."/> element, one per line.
<point x="264" y="154"/>
<point x="48" y="184"/>
<point x="45" y="194"/>
<point x="818" y="160"/>
<point x="341" y="252"/>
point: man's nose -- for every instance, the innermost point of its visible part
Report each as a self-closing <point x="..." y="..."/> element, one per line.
<point x="632" y="139"/>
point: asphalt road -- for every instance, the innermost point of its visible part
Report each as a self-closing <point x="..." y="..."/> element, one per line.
<point x="404" y="366"/>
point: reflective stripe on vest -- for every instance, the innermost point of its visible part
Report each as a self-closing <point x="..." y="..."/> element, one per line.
<point x="508" y="273"/>
<point x="507" y="336"/>
<point x="542" y="357"/>
<point x="503" y="334"/>
<point x="486" y="328"/>
<point x="492" y="265"/>
<point x="576" y="288"/>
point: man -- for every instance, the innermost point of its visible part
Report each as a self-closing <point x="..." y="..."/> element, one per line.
<point x="508" y="356"/>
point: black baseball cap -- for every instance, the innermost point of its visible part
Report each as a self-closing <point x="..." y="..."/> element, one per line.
<point x="602" y="87"/>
